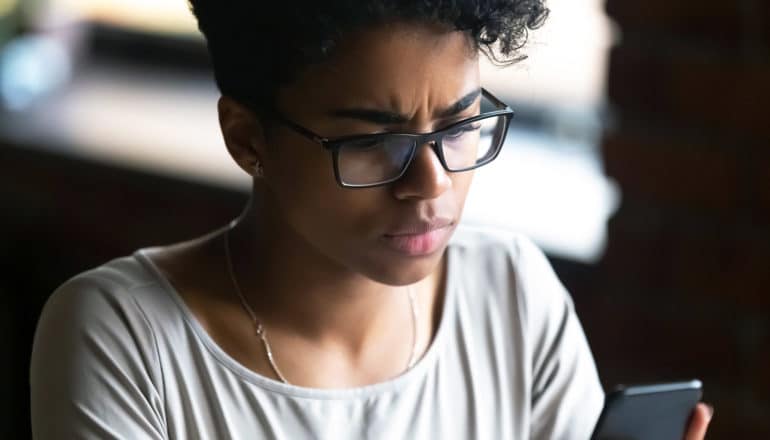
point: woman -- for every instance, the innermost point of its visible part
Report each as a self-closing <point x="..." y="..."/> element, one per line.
<point x="345" y="302"/>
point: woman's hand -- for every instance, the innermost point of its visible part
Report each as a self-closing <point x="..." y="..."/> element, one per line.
<point x="699" y="422"/>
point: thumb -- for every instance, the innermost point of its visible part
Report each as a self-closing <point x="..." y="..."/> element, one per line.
<point x="699" y="422"/>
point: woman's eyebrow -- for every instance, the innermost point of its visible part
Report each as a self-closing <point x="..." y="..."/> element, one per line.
<point x="385" y="117"/>
<point x="461" y="105"/>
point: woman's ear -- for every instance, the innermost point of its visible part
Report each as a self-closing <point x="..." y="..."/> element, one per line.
<point x="243" y="134"/>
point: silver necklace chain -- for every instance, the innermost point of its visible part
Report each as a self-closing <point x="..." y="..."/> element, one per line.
<point x="260" y="330"/>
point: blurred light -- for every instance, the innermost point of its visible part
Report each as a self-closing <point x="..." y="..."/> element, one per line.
<point x="548" y="182"/>
<point x="153" y="16"/>
<point x="30" y="68"/>
<point x="551" y="190"/>
<point x="6" y="6"/>
<point x="566" y="61"/>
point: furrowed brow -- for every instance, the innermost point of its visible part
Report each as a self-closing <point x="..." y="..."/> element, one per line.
<point x="378" y="117"/>
<point x="384" y="117"/>
<point x="461" y="105"/>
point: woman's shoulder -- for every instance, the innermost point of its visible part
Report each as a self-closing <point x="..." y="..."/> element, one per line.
<point x="117" y="301"/>
<point x="508" y="268"/>
<point x="94" y="342"/>
<point x="494" y="248"/>
<point x="119" y="283"/>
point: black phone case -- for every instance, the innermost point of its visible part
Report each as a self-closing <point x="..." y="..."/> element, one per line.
<point x="648" y="412"/>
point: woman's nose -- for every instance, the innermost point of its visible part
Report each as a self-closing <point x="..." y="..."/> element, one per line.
<point x="425" y="178"/>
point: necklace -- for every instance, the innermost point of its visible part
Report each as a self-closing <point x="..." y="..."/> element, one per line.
<point x="260" y="330"/>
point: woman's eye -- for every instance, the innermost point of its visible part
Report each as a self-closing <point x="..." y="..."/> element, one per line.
<point x="462" y="130"/>
<point x="365" y="144"/>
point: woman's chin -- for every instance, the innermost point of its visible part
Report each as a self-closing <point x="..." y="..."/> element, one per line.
<point x="399" y="270"/>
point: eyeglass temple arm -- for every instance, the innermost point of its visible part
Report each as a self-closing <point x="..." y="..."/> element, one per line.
<point x="275" y="114"/>
<point x="300" y="129"/>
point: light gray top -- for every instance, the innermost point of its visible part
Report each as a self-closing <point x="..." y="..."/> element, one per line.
<point x="117" y="354"/>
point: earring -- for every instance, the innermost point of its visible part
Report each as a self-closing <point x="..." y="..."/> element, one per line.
<point x="258" y="170"/>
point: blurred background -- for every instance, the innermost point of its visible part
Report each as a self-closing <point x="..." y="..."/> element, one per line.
<point x="638" y="161"/>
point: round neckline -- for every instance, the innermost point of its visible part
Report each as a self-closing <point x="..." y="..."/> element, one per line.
<point x="418" y="369"/>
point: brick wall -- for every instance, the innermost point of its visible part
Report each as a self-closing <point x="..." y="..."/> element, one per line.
<point x="685" y="283"/>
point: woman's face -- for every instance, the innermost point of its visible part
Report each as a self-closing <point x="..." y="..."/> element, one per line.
<point x="405" y="77"/>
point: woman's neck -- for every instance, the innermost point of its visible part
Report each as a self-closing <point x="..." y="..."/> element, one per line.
<point x="295" y="290"/>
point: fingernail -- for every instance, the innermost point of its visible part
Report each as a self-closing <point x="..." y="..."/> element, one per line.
<point x="710" y="409"/>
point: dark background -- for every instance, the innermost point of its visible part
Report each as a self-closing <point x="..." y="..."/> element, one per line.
<point x="682" y="291"/>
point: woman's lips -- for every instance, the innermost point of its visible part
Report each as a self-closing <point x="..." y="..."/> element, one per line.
<point x="418" y="244"/>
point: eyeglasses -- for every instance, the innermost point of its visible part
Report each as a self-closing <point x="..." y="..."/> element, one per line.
<point x="365" y="161"/>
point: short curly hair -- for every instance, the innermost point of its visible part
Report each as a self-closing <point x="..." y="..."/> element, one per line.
<point x="255" y="49"/>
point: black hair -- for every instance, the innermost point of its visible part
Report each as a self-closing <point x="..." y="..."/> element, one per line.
<point x="258" y="46"/>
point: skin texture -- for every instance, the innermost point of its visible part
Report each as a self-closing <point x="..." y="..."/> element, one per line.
<point x="308" y="254"/>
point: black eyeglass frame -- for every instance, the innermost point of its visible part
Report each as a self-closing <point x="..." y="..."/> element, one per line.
<point x="334" y="145"/>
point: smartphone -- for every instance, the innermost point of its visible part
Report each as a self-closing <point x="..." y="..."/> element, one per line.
<point x="658" y="411"/>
